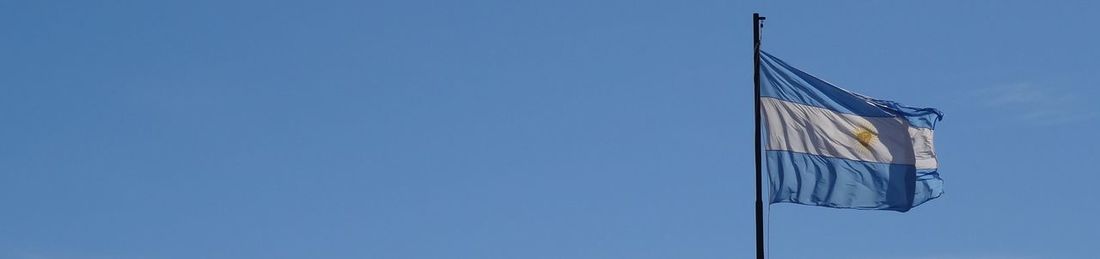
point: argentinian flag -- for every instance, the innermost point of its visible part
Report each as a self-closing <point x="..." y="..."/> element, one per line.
<point x="830" y="147"/>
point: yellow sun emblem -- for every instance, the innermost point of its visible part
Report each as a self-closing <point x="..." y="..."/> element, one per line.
<point x="865" y="137"/>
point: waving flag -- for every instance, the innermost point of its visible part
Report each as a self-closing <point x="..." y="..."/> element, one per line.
<point x="830" y="147"/>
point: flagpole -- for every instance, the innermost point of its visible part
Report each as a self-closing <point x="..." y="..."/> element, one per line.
<point x="756" y="19"/>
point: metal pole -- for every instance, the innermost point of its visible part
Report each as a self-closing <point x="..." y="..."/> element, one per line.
<point x="756" y="19"/>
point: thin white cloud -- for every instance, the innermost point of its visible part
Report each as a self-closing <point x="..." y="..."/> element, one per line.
<point x="1036" y="105"/>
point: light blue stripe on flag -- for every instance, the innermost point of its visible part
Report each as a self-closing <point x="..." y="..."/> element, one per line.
<point x="787" y="83"/>
<point x="830" y="147"/>
<point x="840" y="183"/>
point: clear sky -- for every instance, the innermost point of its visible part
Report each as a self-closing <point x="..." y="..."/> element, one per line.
<point x="521" y="129"/>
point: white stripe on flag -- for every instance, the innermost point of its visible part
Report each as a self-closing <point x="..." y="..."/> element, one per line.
<point x="818" y="131"/>
<point x="923" y="149"/>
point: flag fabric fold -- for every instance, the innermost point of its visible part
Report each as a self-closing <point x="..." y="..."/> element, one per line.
<point x="826" y="146"/>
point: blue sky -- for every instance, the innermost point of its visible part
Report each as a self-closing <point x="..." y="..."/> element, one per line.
<point x="521" y="129"/>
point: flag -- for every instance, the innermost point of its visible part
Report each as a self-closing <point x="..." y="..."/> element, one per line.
<point x="830" y="147"/>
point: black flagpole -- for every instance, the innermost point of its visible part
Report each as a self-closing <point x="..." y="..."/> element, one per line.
<point x="756" y="18"/>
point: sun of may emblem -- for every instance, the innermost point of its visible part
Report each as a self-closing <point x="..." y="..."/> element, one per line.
<point x="865" y="136"/>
